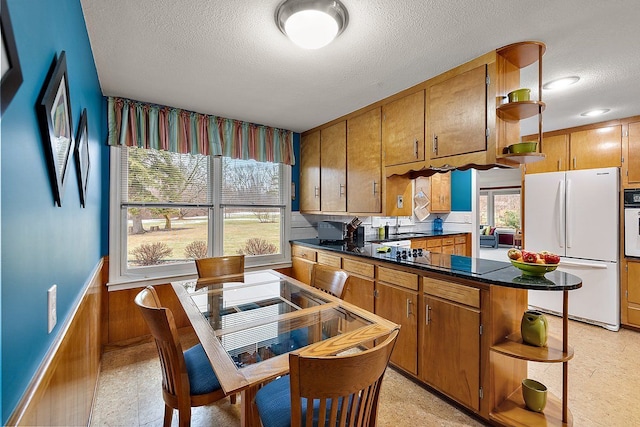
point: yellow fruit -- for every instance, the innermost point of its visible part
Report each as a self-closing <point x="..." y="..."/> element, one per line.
<point x="540" y="261"/>
<point x="519" y="259"/>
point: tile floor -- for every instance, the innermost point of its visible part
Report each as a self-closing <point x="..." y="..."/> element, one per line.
<point x="603" y="387"/>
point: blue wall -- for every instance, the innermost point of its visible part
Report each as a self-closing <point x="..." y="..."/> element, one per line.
<point x="461" y="190"/>
<point x="43" y="244"/>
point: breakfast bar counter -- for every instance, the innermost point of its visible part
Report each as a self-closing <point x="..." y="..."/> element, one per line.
<point x="460" y="322"/>
<point x="480" y="270"/>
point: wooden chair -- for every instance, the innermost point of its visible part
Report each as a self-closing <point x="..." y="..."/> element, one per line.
<point x="329" y="279"/>
<point x="232" y="265"/>
<point x="344" y="390"/>
<point x="187" y="378"/>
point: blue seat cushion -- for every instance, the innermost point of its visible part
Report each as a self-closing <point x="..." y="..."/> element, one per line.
<point x="274" y="404"/>
<point x="202" y="379"/>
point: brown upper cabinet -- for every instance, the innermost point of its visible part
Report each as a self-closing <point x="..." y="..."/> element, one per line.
<point x="457" y="114"/>
<point x="310" y="172"/>
<point x="581" y="149"/>
<point x="364" y="162"/>
<point x="633" y="155"/>
<point x="333" y="168"/>
<point x="596" y="148"/>
<point x="440" y="193"/>
<point x="556" y="150"/>
<point x="403" y="129"/>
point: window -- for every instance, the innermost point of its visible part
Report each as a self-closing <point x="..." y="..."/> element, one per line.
<point x="500" y="208"/>
<point x="169" y="208"/>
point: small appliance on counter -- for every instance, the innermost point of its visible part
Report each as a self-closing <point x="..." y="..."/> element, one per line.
<point x="331" y="231"/>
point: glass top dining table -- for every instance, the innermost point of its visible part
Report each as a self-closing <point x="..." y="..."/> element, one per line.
<point x="249" y="323"/>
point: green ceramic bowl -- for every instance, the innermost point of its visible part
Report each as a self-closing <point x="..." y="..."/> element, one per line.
<point x="519" y="95"/>
<point x="523" y="147"/>
<point x="534" y="394"/>
<point x="529" y="269"/>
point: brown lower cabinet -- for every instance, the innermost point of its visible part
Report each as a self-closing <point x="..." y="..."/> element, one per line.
<point x="399" y="305"/>
<point x="450" y="356"/>
<point x="452" y="330"/>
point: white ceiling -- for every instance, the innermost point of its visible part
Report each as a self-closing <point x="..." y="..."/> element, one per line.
<point x="228" y="58"/>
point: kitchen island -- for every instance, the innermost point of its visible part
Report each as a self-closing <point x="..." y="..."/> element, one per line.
<point x="460" y="320"/>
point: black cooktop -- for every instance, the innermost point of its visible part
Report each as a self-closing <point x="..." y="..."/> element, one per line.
<point x="475" y="266"/>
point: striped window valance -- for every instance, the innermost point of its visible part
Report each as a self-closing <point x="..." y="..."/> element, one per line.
<point x="136" y="124"/>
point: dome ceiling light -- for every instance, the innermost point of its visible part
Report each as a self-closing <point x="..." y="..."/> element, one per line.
<point x="311" y="24"/>
<point x="596" y="112"/>
<point x="561" y="83"/>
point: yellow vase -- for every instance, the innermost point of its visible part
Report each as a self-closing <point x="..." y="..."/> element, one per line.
<point x="533" y="328"/>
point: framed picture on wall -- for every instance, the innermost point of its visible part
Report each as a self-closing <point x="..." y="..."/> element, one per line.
<point x="54" y="116"/>
<point x="11" y="71"/>
<point x="81" y="155"/>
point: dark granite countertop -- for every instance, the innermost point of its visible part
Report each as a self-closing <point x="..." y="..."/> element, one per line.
<point x="416" y="235"/>
<point x="481" y="270"/>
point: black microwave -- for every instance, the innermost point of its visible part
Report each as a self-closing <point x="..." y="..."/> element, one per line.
<point x="632" y="198"/>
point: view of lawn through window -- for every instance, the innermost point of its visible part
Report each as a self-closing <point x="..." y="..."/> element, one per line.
<point x="170" y="206"/>
<point x="500" y="208"/>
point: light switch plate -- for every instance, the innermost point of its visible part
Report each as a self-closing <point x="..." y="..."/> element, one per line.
<point x="52" y="316"/>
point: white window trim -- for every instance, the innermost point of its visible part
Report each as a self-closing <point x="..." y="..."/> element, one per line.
<point x="120" y="278"/>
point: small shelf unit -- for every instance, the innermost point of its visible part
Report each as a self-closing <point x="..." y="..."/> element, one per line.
<point x="522" y="55"/>
<point x="513" y="411"/>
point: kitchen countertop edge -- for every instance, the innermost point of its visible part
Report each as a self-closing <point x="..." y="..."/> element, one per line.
<point x="508" y="276"/>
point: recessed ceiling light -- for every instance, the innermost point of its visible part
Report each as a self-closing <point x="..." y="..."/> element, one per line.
<point x="595" y="112"/>
<point x="311" y="24"/>
<point x="561" y="83"/>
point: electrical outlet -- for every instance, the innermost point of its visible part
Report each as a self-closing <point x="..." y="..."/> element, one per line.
<point x="52" y="316"/>
<point x="467" y="219"/>
<point x="400" y="202"/>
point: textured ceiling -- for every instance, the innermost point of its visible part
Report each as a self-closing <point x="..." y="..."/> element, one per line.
<point x="228" y="57"/>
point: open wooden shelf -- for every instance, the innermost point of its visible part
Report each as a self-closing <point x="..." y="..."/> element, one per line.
<point x="514" y="346"/>
<point x="521" y="158"/>
<point x="516" y="111"/>
<point x="522" y="54"/>
<point x="513" y="412"/>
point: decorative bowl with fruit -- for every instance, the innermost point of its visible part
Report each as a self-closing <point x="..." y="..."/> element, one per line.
<point x="533" y="263"/>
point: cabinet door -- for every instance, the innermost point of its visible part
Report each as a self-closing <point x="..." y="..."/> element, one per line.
<point x="359" y="291"/>
<point x="419" y="244"/>
<point x="310" y="172"/>
<point x="633" y="290"/>
<point x="403" y="130"/>
<point x="556" y="150"/>
<point x="440" y="193"/>
<point x="333" y="168"/>
<point x="399" y="305"/>
<point x="596" y="148"/>
<point x="457" y="118"/>
<point x="634" y="152"/>
<point x="364" y="163"/>
<point x="450" y="357"/>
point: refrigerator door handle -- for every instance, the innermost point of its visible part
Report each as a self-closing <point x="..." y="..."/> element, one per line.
<point x="561" y="213"/>
<point x="568" y="216"/>
<point x="599" y="265"/>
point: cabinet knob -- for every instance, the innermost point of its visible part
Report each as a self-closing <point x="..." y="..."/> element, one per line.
<point x="316" y="191"/>
<point x="435" y="143"/>
<point x="409" y="313"/>
<point x="427" y="316"/>
<point x="341" y="191"/>
<point x="374" y="187"/>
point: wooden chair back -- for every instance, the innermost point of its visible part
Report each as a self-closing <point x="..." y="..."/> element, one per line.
<point x="348" y="387"/>
<point x="329" y="279"/>
<point x="220" y="266"/>
<point x="175" y="380"/>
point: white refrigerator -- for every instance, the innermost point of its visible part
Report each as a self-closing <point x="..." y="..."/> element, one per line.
<point x="575" y="215"/>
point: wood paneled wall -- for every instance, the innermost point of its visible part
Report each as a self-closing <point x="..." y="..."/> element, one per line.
<point x="62" y="391"/>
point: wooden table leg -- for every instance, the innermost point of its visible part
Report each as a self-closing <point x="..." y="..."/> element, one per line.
<point x="248" y="411"/>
